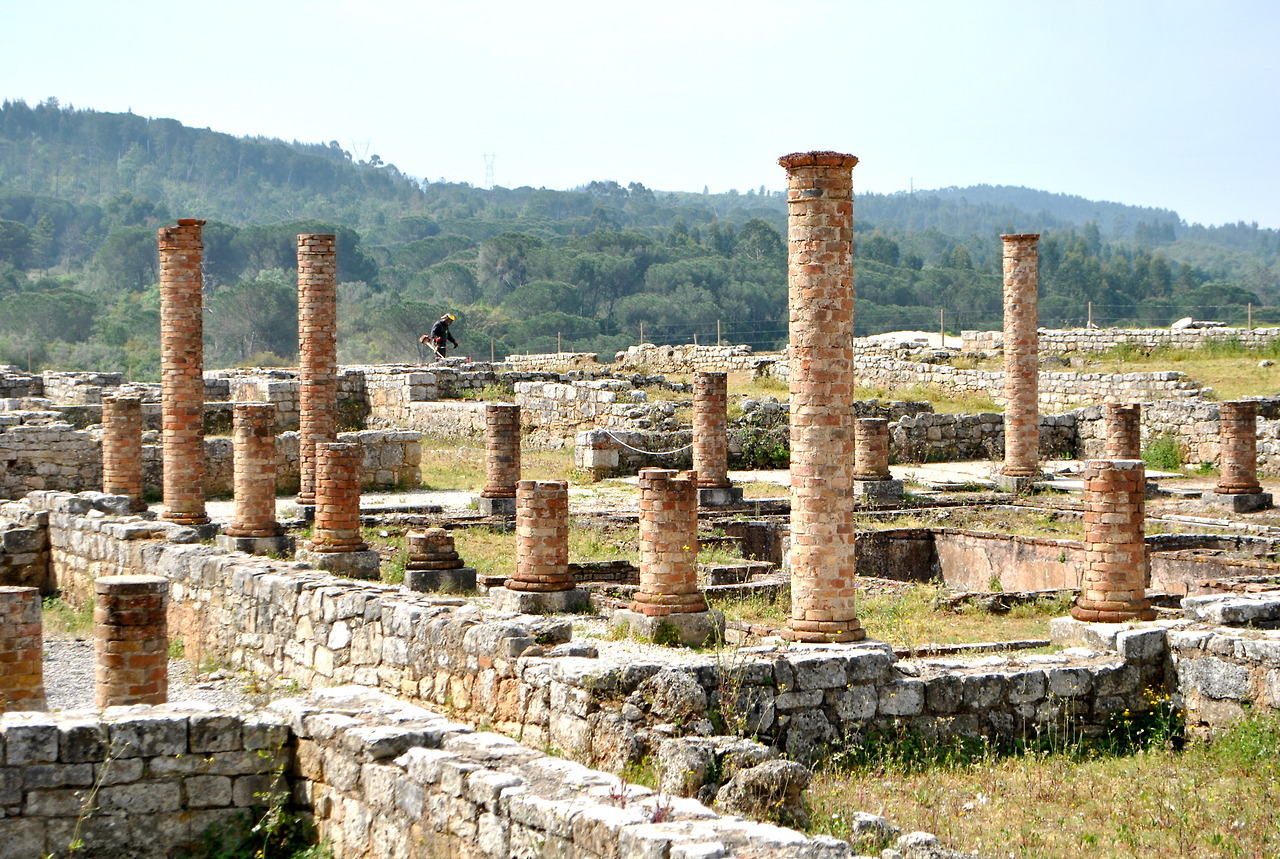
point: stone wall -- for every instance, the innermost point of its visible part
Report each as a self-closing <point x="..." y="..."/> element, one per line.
<point x="15" y="384"/>
<point x="1058" y="341"/>
<point x="557" y="410"/>
<point x="24" y="548"/>
<point x="690" y="359"/>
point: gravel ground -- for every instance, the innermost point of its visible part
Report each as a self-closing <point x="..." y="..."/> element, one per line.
<point x="68" y="680"/>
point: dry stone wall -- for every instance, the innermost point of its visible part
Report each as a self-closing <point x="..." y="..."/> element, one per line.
<point x="1095" y="340"/>
<point x="689" y="358"/>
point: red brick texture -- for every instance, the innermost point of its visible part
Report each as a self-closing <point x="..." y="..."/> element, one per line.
<point x="317" y="354"/>
<point x="542" y="537"/>
<point x="1021" y="356"/>
<point x="502" y="450"/>
<point x="710" y="429"/>
<point x="131" y="640"/>
<point x="254" y="464"/>
<point x="1113" y="587"/>
<point x="1238" y="463"/>
<point x="21" y="650"/>
<point x="668" y="544"/>
<point x="337" y="526"/>
<point x="122" y="448"/>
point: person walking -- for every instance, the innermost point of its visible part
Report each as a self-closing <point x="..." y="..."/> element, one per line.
<point x="439" y="334"/>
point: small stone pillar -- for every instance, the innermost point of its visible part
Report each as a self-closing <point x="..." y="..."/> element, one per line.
<point x="122" y="448"/>
<point x="1021" y="467"/>
<point x="542" y="583"/>
<point x="711" y="441"/>
<point x="254" y="529"/>
<point x="1113" y="587"/>
<point x="182" y="371"/>
<point x="1238" y="488"/>
<point x="336" y="544"/>
<point x="872" y="480"/>
<point x="820" y="300"/>
<point x="21" y="650"/>
<point x="434" y="564"/>
<point x="596" y="452"/>
<point x="1123" y="423"/>
<point x="317" y="356"/>
<point x="668" y="594"/>
<point x="502" y="459"/>
<point x="131" y="640"/>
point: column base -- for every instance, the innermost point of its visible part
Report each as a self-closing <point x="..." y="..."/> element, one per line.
<point x="458" y="580"/>
<point x="1245" y="502"/>
<point x="357" y="565"/>
<point x="255" y="545"/>
<point x="690" y="629"/>
<point x="885" y="492"/>
<point x="1017" y="484"/>
<point x="719" y="496"/>
<point x="572" y="601"/>
<point x="1134" y="612"/>
<point x="847" y="634"/>
<point x="497" y="506"/>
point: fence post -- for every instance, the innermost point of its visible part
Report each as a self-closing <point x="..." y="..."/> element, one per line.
<point x="942" y="327"/>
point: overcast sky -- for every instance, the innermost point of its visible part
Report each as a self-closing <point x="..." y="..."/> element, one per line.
<point x="1166" y="103"/>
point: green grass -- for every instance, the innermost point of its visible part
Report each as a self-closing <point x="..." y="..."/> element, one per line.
<point x="60" y="618"/>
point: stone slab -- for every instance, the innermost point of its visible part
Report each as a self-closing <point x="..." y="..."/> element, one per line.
<point x="357" y="565"/>
<point x="279" y="544"/>
<point x="878" y="491"/>
<point x="1242" y="503"/>
<point x="455" y="581"/>
<point x="694" y="629"/>
<point x="496" y="506"/>
<point x="720" y="496"/>
<point x="531" y="602"/>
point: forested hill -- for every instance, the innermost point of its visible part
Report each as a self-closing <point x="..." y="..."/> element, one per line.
<point x="81" y="193"/>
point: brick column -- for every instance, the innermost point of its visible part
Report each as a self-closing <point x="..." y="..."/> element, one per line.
<point x="1113" y="587"/>
<point x="502" y="459"/>
<point x="182" y="371"/>
<point x="254" y="528"/>
<point x="317" y="354"/>
<point x="122" y="448"/>
<point x="1021" y="361"/>
<point x="871" y="449"/>
<point x="1238" y="462"/>
<point x="820" y="299"/>
<point x="542" y="581"/>
<point x="336" y="543"/>
<point x="434" y="564"/>
<point x="21" y="650"/>
<point x="131" y="640"/>
<point x="1124" y="430"/>
<point x="711" y="440"/>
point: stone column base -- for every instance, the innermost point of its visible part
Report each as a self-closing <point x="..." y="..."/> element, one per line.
<point x="1245" y="502"/>
<point x="276" y="545"/>
<point x="357" y="565"/>
<point x="497" y="506"/>
<point x="878" y="491"/>
<point x="720" y="496"/>
<point x="455" y="581"/>
<point x="573" y="601"/>
<point x="692" y="629"/>
<point x="1016" y="485"/>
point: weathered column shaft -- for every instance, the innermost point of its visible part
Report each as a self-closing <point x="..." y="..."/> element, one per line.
<point x="122" y="448"/>
<point x="1021" y="356"/>
<point x="254" y="464"/>
<point x="502" y="450"/>
<point x="668" y="544"/>
<point x="21" y="650"/>
<point x="1238" y="461"/>
<point x="542" y="537"/>
<point x="337" y="525"/>
<point x="1124" y="430"/>
<point x="131" y="640"/>
<point x="182" y="371"/>
<point x="432" y="549"/>
<point x="820" y="300"/>
<point x="317" y="354"/>
<point x="1113" y="587"/>
<point x="871" y="449"/>
<point x="710" y="429"/>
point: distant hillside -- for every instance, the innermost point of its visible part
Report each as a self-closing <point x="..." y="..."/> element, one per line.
<point x="82" y="192"/>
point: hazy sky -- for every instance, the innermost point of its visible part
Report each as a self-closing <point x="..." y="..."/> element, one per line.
<point x="1167" y="103"/>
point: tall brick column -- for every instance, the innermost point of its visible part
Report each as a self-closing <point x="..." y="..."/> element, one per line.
<point x="669" y="560"/>
<point x="1021" y="363"/>
<point x="1113" y="587"/>
<point x="122" y="448"/>
<point x="1124" y="430"/>
<point x="21" y="650"/>
<point x="542" y="581"/>
<point x="131" y="640"/>
<point x="336" y="542"/>
<point x="711" y="440"/>
<point x="317" y="354"/>
<point x="1238" y="486"/>
<point x="182" y="371"/>
<point x="254" y="528"/>
<point x="502" y="459"/>
<point x="820" y="299"/>
<point x="873" y="482"/>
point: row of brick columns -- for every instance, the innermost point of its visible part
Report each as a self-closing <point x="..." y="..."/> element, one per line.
<point x="182" y="371"/>
<point x="122" y="448"/>
<point x="820" y="301"/>
<point x="317" y="356"/>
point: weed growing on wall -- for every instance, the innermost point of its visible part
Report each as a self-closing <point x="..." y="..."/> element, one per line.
<point x="1164" y="452"/>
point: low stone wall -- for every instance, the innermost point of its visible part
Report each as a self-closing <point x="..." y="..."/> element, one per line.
<point x="555" y="361"/>
<point x="557" y="410"/>
<point x="694" y="359"/>
<point x="24" y="548"/>
<point x="1060" y="341"/>
<point x="15" y="384"/>
<point x="60" y="457"/>
<point x="79" y="388"/>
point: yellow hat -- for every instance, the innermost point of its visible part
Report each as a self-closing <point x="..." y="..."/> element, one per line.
<point x="450" y="317"/>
